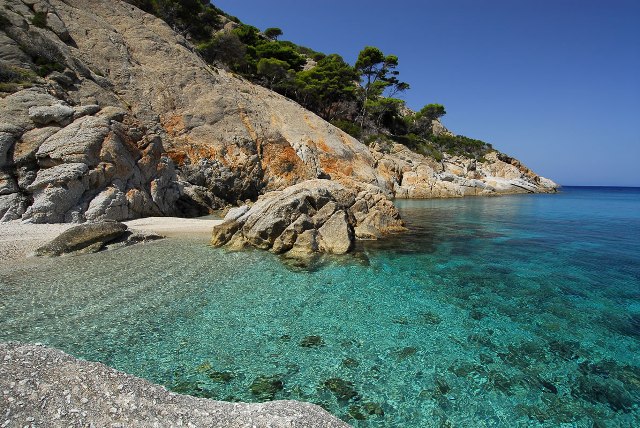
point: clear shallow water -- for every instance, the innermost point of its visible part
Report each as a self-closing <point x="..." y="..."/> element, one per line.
<point x="510" y="311"/>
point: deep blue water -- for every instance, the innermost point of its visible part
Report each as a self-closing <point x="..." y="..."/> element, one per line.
<point x="506" y="311"/>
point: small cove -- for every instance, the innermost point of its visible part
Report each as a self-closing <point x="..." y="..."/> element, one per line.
<point x="510" y="311"/>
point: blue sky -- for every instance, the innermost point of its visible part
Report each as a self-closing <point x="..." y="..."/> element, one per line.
<point x="553" y="83"/>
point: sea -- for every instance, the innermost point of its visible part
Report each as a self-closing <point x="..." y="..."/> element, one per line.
<point x="511" y="311"/>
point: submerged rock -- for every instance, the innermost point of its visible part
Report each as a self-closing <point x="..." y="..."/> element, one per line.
<point x="312" y="342"/>
<point x="342" y="389"/>
<point x="309" y="217"/>
<point x="266" y="387"/>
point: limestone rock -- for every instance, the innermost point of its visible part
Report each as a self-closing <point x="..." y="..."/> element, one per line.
<point x="81" y="237"/>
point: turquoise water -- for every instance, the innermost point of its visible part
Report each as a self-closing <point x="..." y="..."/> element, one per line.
<point x="501" y="312"/>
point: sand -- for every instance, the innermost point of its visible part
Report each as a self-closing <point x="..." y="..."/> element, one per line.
<point x="19" y="240"/>
<point x="175" y="227"/>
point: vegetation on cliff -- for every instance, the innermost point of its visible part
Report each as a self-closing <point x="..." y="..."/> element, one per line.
<point x="360" y="99"/>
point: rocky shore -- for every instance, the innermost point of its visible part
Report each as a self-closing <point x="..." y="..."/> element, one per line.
<point x="46" y="387"/>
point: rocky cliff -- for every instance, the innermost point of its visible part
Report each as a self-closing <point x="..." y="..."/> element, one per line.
<point x="106" y="113"/>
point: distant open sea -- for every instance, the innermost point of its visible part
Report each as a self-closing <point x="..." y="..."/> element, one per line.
<point x="513" y="311"/>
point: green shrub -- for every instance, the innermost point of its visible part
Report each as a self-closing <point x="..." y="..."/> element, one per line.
<point x="349" y="127"/>
<point x="39" y="19"/>
<point x="46" y="66"/>
<point x="12" y="79"/>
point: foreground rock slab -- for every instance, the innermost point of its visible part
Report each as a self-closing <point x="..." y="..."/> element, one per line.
<point x="91" y="238"/>
<point x="46" y="387"/>
<point x="314" y="216"/>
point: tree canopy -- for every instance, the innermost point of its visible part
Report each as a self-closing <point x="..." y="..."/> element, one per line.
<point x="273" y="33"/>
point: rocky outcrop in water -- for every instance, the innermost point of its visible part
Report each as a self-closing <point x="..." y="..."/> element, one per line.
<point x="128" y="121"/>
<point x="315" y="216"/>
<point x="413" y="175"/>
<point x="46" y="387"/>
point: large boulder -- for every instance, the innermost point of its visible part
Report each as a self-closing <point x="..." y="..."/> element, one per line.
<point x="87" y="237"/>
<point x="311" y="216"/>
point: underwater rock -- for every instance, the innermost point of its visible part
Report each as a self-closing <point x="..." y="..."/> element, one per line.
<point x="266" y="387"/>
<point x="342" y="389"/>
<point x="597" y="390"/>
<point x="430" y="318"/>
<point x="356" y="413"/>
<point x="373" y="409"/>
<point x="441" y="385"/>
<point x="406" y="352"/>
<point x="548" y="386"/>
<point x="568" y="350"/>
<point x="350" y="363"/>
<point x="312" y="342"/>
<point x="220" y="377"/>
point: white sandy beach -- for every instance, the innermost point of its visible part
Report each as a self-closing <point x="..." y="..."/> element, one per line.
<point x="173" y="227"/>
<point x="18" y="240"/>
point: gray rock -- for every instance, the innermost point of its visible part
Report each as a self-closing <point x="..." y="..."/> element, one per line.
<point x="53" y="204"/>
<point x="336" y="234"/>
<point x="79" y="142"/>
<point x="26" y="148"/>
<point x="236" y="212"/>
<point x="89" y="235"/>
<point x="57" y="114"/>
<point x="87" y="110"/>
<point x="110" y="204"/>
<point x="12" y="206"/>
<point x="8" y="184"/>
<point x="58" y="175"/>
<point x="318" y="214"/>
<point x="55" y="24"/>
<point x="7" y="141"/>
<point x="39" y="383"/>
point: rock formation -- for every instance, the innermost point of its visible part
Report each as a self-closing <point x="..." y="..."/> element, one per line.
<point x="46" y="387"/>
<point x="93" y="237"/>
<point x="313" y="216"/>
<point x="128" y="121"/>
<point x="415" y="176"/>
